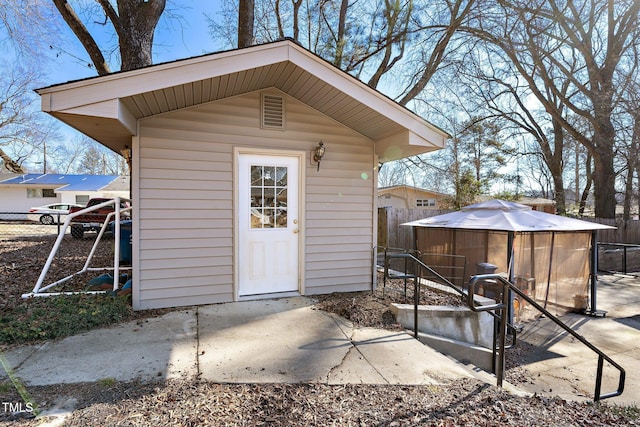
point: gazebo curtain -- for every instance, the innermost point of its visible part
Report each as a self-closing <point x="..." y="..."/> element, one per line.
<point x="553" y="267"/>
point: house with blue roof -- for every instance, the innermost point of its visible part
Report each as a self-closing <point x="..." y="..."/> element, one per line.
<point x="19" y="193"/>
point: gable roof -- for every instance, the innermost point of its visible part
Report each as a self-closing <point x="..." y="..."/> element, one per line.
<point x="62" y="182"/>
<point x="107" y="108"/>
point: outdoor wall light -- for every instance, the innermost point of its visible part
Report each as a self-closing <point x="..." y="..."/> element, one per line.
<point x="126" y="153"/>
<point x="318" y="153"/>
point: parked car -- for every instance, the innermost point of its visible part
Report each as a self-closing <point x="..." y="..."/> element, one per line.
<point x="50" y="213"/>
<point x="93" y="221"/>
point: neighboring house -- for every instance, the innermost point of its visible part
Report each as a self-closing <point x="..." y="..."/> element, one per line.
<point x="230" y="201"/>
<point x="19" y="193"/>
<point x="408" y="197"/>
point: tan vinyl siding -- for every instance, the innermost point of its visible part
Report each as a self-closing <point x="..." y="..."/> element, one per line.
<point x="186" y="200"/>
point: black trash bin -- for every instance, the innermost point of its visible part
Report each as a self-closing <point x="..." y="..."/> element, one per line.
<point x="488" y="288"/>
<point x="486" y="268"/>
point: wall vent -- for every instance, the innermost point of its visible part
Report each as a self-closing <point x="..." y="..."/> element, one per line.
<point x="272" y="111"/>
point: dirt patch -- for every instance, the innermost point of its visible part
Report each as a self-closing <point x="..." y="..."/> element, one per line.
<point x="371" y="309"/>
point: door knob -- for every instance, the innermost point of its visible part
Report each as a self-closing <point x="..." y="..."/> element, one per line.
<point x="295" y="231"/>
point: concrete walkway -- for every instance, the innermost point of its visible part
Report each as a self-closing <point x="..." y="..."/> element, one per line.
<point x="560" y="365"/>
<point x="287" y="341"/>
<point x="281" y="340"/>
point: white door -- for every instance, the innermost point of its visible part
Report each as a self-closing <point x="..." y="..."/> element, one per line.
<point x="268" y="224"/>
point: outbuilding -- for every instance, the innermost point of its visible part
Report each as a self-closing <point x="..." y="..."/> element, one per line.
<point x="254" y="171"/>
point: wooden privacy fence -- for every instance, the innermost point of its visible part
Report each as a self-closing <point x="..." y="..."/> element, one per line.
<point x="625" y="232"/>
<point x="391" y="234"/>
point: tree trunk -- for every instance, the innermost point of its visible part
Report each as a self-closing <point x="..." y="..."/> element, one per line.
<point x="555" y="164"/>
<point x="340" y="42"/>
<point x="587" y="186"/>
<point x="638" y="175"/>
<point x="82" y="33"/>
<point x="604" y="175"/>
<point x="245" y="23"/>
<point x="136" y="26"/>
<point x="296" y="21"/>
<point x="628" y="192"/>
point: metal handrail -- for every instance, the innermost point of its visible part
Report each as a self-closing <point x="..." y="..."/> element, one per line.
<point x="409" y="256"/>
<point x="625" y="247"/>
<point x="506" y="285"/>
<point x="513" y="330"/>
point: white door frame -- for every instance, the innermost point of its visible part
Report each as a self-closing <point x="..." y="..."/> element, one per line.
<point x="300" y="155"/>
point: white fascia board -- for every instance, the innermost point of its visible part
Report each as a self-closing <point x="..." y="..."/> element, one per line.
<point x="111" y="109"/>
<point x="433" y="139"/>
<point x="367" y="96"/>
<point x="157" y="77"/>
<point x="406" y="144"/>
<point x="95" y="91"/>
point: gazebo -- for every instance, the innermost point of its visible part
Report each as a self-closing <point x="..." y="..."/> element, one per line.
<point x="550" y="257"/>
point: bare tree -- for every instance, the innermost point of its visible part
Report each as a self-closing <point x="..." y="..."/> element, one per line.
<point x="630" y="134"/>
<point x="134" y="23"/>
<point x="366" y="39"/>
<point x="27" y="30"/>
<point x="98" y="160"/>
<point x="550" y="43"/>
<point x="440" y="35"/>
<point x="499" y="91"/>
<point x="22" y="130"/>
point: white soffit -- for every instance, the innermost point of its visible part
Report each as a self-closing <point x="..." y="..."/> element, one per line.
<point x="107" y="107"/>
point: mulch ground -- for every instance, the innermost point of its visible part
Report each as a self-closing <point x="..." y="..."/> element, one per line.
<point x="196" y="402"/>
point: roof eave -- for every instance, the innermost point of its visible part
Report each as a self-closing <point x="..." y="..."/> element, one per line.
<point x="95" y="106"/>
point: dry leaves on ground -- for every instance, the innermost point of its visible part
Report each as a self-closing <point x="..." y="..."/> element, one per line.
<point x="195" y="403"/>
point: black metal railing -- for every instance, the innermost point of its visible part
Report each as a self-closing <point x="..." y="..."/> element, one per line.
<point x="404" y="272"/>
<point x="418" y="270"/>
<point x="605" y="264"/>
<point x="502" y="307"/>
<point x="413" y="269"/>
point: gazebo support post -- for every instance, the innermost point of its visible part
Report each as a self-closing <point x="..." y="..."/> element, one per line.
<point x="593" y="311"/>
<point x="546" y="295"/>
<point x="511" y="238"/>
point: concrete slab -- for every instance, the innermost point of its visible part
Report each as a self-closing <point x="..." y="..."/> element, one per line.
<point x="355" y="369"/>
<point x="281" y="340"/>
<point x="163" y="347"/>
<point x="560" y="365"/>
<point x="401" y="359"/>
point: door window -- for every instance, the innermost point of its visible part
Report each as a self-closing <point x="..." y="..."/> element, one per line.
<point x="268" y="196"/>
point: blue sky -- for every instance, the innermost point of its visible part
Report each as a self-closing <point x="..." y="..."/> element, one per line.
<point x="175" y="38"/>
<point x="182" y="37"/>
